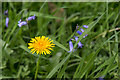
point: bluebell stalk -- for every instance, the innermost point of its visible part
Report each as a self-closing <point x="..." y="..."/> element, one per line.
<point x="31" y="18"/>
<point x="70" y="46"/>
<point x="22" y="23"/>
<point x="79" y="43"/>
<point x="7" y="21"/>
<point x="76" y="38"/>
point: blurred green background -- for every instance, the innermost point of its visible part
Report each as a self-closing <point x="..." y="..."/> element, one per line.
<point x="58" y="20"/>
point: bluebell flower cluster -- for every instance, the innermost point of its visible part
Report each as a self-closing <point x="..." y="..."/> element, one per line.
<point x="7" y="19"/>
<point x="21" y="23"/>
<point x="79" y="31"/>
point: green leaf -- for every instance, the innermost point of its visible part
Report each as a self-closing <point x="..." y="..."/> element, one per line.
<point x="60" y="45"/>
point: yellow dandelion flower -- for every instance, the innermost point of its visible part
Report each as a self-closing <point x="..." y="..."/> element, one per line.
<point x="41" y="45"/>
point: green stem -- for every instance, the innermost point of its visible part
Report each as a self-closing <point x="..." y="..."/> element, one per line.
<point x="37" y="68"/>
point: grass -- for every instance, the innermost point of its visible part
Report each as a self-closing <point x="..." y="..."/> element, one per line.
<point x="98" y="57"/>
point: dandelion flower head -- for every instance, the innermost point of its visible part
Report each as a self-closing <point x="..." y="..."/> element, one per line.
<point x="41" y="45"/>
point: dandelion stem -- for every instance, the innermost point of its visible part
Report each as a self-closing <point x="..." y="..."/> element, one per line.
<point x="37" y="68"/>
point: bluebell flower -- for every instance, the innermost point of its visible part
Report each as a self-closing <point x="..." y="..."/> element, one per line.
<point x="77" y="26"/>
<point x="22" y="23"/>
<point x="30" y="18"/>
<point x="81" y="29"/>
<point x="79" y="43"/>
<point x="6" y="12"/>
<point x="79" y="32"/>
<point x="7" y="21"/>
<point x="85" y="35"/>
<point x="19" y="21"/>
<point x="70" y="46"/>
<point x="100" y="78"/>
<point x="85" y="26"/>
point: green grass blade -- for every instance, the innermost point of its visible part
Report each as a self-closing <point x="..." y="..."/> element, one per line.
<point x="84" y="70"/>
<point x="58" y="66"/>
<point x="61" y="46"/>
